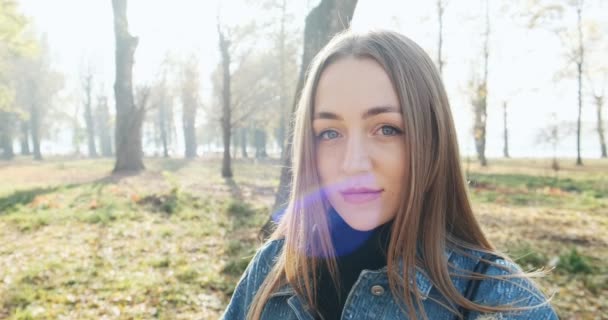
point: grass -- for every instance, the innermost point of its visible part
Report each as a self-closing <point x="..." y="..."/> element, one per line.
<point x="171" y="242"/>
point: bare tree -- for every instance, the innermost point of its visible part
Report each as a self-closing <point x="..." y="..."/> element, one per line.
<point x="259" y="141"/>
<point x="547" y="14"/>
<point x="579" y="58"/>
<point x="87" y="85"/>
<point x="15" y="43"/>
<point x="6" y="135"/>
<point x="226" y="119"/>
<point x="552" y="135"/>
<point x="598" y="93"/>
<point x="129" y="116"/>
<point x="441" y="4"/>
<point x="599" y="102"/>
<point x="282" y="77"/>
<point x="165" y="118"/>
<point x="322" y="23"/>
<point x="480" y="96"/>
<point x="25" y="138"/>
<point x="505" y="149"/>
<point x="243" y="142"/>
<point x="37" y="86"/>
<point x="103" y="124"/>
<point x="190" y="102"/>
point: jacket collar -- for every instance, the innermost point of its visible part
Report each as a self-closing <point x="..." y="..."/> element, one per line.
<point x="423" y="282"/>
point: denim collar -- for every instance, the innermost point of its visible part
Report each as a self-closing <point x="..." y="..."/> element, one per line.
<point x="423" y="282"/>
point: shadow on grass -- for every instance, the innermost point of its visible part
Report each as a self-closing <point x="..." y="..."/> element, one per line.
<point x="235" y="190"/>
<point x="173" y="165"/>
<point x="23" y="197"/>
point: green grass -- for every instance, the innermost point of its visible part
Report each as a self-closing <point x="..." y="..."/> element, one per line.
<point x="171" y="242"/>
<point x="539" y="191"/>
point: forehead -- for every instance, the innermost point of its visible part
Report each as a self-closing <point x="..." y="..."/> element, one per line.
<point x="354" y="84"/>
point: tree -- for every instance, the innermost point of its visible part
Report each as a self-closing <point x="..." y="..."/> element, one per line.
<point x="322" y="23"/>
<point x="226" y="119"/>
<point x="597" y="77"/>
<point x="25" y="138"/>
<point x="599" y="94"/>
<point x="505" y="149"/>
<point x="190" y="102"/>
<point x="36" y="84"/>
<point x="87" y="86"/>
<point x="243" y="142"/>
<point x="480" y="96"/>
<point x="102" y="114"/>
<point x="599" y="102"/>
<point x="6" y="135"/>
<point x="548" y="14"/>
<point x="551" y="135"/>
<point x="579" y="57"/>
<point x="441" y="4"/>
<point x="260" y="143"/>
<point x="165" y="117"/>
<point x="15" y="43"/>
<point x="129" y="116"/>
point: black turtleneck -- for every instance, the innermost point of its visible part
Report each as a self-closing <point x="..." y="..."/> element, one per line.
<point x="355" y="251"/>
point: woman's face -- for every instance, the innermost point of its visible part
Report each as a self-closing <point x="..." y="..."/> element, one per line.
<point x="360" y="149"/>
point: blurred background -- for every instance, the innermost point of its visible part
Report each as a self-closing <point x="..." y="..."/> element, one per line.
<point x="143" y="144"/>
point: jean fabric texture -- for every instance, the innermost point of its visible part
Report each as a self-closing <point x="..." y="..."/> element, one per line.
<point x="371" y="298"/>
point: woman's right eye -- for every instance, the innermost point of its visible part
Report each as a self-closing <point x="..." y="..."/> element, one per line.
<point x="328" y="135"/>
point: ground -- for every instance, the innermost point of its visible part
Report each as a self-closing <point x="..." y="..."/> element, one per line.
<point x="171" y="242"/>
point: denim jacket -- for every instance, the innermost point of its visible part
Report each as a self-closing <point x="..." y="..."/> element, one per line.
<point x="370" y="297"/>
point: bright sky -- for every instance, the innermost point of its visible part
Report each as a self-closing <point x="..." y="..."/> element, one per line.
<point x="523" y="63"/>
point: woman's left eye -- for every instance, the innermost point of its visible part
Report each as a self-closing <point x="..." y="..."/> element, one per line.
<point x="390" y="131"/>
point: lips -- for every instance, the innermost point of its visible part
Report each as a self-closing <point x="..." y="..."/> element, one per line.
<point x="360" y="195"/>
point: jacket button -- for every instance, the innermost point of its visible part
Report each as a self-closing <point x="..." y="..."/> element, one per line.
<point x="377" y="290"/>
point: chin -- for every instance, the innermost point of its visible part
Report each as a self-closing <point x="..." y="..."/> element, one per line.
<point x="362" y="222"/>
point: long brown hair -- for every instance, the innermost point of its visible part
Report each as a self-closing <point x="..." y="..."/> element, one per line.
<point x="435" y="211"/>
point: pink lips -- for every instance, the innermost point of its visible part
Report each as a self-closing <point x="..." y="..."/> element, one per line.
<point x="360" y="195"/>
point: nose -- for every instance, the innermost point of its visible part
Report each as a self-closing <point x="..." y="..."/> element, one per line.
<point x="356" y="158"/>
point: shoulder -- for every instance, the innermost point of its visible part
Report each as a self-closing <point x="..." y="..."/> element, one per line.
<point x="505" y="284"/>
<point x="251" y="280"/>
<point x="266" y="256"/>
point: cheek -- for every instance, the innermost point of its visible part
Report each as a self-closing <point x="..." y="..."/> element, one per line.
<point x="328" y="160"/>
<point x="392" y="161"/>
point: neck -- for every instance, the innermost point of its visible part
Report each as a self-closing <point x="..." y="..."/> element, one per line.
<point x="346" y="239"/>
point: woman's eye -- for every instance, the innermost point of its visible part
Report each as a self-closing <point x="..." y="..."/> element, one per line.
<point x="390" y="131"/>
<point x="328" y="135"/>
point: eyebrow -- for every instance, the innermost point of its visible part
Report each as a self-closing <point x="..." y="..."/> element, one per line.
<point x="374" y="111"/>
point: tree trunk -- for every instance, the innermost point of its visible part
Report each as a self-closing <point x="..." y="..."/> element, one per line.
<point x="162" y="123"/>
<point x="25" y="138"/>
<point x="189" y="116"/>
<point x="190" y="101"/>
<point x="226" y="107"/>
<point x="6" y="137"/>
<point x="322" y="23"/>
<point x="35" y="126"/>
<point x="579" y="68"/>
<point x="480" y="105"/>
<point x="599" y="103"/>
<point x="505" y="149"/>
<point x="260" y="143"/>
<point x="244" y="143"/>
<point x="129" y="117"/>
<point x="88" y="115"/>
<point x="282" y="92"/>
<point x="440" y="11"/>
<point x="104" y="127"/>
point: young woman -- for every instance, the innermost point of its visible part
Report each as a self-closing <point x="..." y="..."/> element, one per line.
<point x="379" y="224"/>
